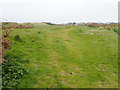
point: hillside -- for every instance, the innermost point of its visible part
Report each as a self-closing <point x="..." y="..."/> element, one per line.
<point x="66" y="56"/>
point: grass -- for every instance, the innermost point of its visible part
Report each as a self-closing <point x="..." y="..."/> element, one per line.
<point x="67" y="56"/>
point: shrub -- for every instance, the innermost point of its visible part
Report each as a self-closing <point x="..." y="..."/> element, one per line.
<point x="115" y="30"/>
<point x="6" y="43"/>
<point x="49" y="23"/>
<point x="18" y="38"/>
<point x="13" y="25"/>
<point x="93" y="25"/>
<point x="39" y="32"/>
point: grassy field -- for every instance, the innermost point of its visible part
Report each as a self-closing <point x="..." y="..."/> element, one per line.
<point x="67" y="56"/>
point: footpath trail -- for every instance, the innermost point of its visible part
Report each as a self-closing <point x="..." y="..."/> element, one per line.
<point x="62" y="57"/>
<point x="64" y="71"/>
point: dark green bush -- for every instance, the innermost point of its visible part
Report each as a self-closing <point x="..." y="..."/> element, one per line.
<point x="49" y="23"/>
<point x="18" y="38"/>
<point x="39" y="32"/>
<point x="115" y="30"/>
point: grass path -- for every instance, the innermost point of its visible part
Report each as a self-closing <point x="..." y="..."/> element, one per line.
<point x="54" y="58"/>
<point x="63" y="57"/>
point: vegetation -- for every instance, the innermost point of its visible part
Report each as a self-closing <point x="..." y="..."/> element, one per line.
<point x="62" y="57"/>
<point x="13" y="70"/>
<point x="12" y="25"/>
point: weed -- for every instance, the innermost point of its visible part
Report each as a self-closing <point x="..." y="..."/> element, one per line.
<point x="13" y="70"/>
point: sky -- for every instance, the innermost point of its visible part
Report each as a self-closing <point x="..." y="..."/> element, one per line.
<point x="59" y="11"/>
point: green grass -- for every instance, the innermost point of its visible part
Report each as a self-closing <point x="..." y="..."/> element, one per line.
<point x="67" y="56"/>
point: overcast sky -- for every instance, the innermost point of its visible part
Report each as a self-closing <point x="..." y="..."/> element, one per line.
<point x="60" y="11"/>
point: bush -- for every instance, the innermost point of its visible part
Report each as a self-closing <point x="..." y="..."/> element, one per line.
<point x="49" y="23"/>
<point x="18" y="38"/>
<point x="39" y="32"/>
<point x="115" y="30"/>
<point x="93" y="25"/>
<point x="13" y="25"/>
